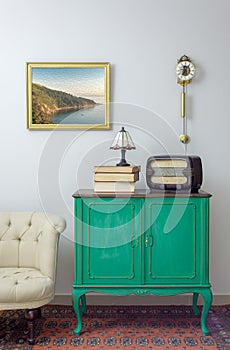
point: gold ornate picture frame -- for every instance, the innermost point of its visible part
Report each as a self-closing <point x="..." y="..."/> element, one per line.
<point x="68" y="96"/>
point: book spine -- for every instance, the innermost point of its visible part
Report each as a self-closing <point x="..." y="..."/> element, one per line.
<point x="114" y="186"/>
<point x="116" y="177"/>
<point x="116" y="169"/>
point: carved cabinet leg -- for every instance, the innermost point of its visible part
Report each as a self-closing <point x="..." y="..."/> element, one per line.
<point x="83" y="303"/>
<point x="77" y="298"/>
<point x="31" y="315"/>
<point x="194" y="303"/>
<point x="207" y="296"/>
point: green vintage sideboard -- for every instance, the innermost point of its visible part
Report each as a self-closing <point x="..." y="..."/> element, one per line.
<point x="142" y="243"/>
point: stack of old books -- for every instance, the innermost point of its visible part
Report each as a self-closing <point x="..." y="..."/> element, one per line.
<point x="108" y="178"/>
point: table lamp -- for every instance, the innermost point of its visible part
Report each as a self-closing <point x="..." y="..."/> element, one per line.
<point x="122" y="141"/>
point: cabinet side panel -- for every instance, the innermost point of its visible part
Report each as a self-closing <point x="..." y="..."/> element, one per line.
<point x="203" y="222"/>
<point x="78" y="240"/>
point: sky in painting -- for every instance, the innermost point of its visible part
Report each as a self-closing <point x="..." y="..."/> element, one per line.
<point x="81" y="82"/>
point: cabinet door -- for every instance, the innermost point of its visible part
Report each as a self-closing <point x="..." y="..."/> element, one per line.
<point x="175" y="241"/>
<point x="110" y="241"/>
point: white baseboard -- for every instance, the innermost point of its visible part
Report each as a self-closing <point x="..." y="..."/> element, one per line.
<point x="99" y="299"/>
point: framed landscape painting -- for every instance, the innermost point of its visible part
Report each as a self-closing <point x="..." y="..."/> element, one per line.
<point x="68" y="96"/>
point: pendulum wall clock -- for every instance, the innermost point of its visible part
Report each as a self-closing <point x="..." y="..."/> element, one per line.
<point x="185" y="71"/>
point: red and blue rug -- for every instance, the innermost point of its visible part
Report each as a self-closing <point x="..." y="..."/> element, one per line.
<point x="118" y="327"/>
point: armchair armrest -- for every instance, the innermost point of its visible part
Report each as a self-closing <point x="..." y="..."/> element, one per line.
<point x="48" y="245"/>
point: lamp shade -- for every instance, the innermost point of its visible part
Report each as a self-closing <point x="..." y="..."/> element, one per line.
<point x="123" y="140"/>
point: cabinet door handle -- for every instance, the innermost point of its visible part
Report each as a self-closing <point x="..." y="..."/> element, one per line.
<point x="149" y="241"/>
<point x="134" y="242"/>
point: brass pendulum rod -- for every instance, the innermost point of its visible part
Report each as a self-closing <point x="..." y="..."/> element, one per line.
<point x="183" y="137"/>
<point x="183" y="104"/>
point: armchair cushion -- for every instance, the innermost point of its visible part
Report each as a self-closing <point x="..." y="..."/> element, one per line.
<point x="24" y="288"/>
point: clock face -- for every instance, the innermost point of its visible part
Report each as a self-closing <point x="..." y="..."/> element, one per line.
<point x="185" y="71"/>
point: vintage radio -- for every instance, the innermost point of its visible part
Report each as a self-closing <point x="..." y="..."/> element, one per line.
<point x="174" y="173"/>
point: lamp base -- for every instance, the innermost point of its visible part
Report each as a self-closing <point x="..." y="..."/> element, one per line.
<point x="123" y="160"/>
<point x="123" y="163"/>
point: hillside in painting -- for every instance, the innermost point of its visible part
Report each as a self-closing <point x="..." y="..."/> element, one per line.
<point x="46" y="103"/>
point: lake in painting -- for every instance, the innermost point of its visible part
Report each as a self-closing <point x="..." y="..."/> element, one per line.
<point x="92" y="115"/>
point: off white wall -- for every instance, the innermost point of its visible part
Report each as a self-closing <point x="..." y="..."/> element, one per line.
<point x="142" y="41"/>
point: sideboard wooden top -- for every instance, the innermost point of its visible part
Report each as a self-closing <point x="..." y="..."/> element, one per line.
<point x="139" y="193"/>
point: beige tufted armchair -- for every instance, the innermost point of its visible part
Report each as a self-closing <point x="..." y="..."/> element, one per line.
<point x="28" y="258"/>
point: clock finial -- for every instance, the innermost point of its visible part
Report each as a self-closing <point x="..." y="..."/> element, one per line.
<point x="184" y="58"/>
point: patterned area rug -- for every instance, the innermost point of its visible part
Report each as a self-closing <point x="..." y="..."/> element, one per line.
<point x="118" y="327"/>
